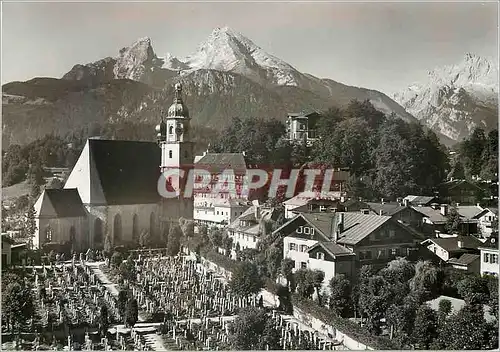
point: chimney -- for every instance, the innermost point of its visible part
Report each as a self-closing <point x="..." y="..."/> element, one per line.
<point x="244" y="153"/>
<point x="405" y="202"/>
<point x="340" y="225"/>
<point x="382" y="201"/>
<point x="380" y="212"/>
<point x="434" y="206"/>
<point x="460" y="244"/>
<point x="342" y="199"/>
<point x="437" y="233"/>
<point x="444" y="209"/>
<point x="257" y="212"/>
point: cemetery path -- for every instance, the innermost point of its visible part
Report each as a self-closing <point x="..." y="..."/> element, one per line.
<point x="152" y="339"/>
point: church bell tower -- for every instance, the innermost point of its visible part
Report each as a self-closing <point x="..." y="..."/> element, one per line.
<point x="176" y="148"/>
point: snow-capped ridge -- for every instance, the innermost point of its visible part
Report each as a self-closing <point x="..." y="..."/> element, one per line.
<point x="455" y="98"/>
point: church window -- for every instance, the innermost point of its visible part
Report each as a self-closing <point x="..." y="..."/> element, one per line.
<point x="170" y="154"/>
<point x="48" y="234"/>
<point x="171" y="130"/>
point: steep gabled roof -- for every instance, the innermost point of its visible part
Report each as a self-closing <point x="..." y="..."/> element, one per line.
<point x="66" y="202"/>
<point x="218" y="162"/>
<point x="128" y="171"/>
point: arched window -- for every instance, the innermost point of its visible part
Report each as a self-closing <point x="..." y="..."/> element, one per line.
<point x="170" y="154"/>
<point x="117" y="229"/>
<point x="135" y="228"/>
<point x="98" y="231"/>
<point x="171" y="130"/>
<point x="152" y="225"/>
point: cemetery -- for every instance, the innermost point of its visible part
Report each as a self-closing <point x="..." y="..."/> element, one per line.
<point x="164" y="303"/>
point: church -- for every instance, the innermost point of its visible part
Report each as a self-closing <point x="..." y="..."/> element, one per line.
<point x="113" y="188"/>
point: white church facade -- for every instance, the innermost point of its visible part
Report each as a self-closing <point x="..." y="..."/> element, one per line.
<point x="113" y="189"/>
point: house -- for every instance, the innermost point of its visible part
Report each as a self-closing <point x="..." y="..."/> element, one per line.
<point x="435" y="218"/>
<point x="459" y="252"/>
<point x="219" y="207"/>
<point x="456" y="305"/>
<point x="302" y="127"/>
<point x="246" y="230"/>
<point x="218" y="212"/>
<point x="466" y="262"/>
<point x="215" y="164"/>
<point x="11" y="251"/>
<point x="373" y="239"/>
<point x="329" y="205"/>
<point x="7" y="242"/>
<point x="486" y="220"/>
<point x="61" y="218"/>
<point x="304" y="198"/>
<point x="419" y="201"/>
<point x="401" y="212"/>
<point x="489" y="257"/>
<point x="460" y="191"/>
<point x="118" y="183"/>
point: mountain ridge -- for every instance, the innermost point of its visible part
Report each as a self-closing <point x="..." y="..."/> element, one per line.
<point x="455" y="99"/>
<point x="228" y="75"/>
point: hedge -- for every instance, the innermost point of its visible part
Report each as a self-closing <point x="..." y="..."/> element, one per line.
<point x="346" y="326"/>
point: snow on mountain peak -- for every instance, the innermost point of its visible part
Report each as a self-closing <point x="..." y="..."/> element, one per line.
<point x="228" y="50"/>
<point x="455" y="98"/>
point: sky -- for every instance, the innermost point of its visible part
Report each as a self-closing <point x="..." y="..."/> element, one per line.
<point x="379" y="45"/>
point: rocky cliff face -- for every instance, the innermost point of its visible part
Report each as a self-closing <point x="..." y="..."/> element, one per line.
<point x="455" y="99"/>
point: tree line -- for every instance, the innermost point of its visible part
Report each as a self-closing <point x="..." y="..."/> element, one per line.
<point x="387" y="156"/>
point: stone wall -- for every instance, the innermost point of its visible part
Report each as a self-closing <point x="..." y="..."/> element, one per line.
<point x="303" y="317"/>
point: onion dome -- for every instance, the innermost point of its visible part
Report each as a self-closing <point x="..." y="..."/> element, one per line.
<point x="178" y="109"/>
<point x="161" y="130"/>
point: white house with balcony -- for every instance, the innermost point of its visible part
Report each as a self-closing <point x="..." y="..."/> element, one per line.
<point x="302" y="127"/>
<point x="485" y="221"/>
<point x="246" y="230"/>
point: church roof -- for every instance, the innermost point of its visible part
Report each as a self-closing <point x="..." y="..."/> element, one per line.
<point x="66" y="202"/>
<point x="128" y="171"/>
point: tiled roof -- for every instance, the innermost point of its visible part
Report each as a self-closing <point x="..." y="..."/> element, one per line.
<point x="433" y="214"/>
<point x="388" y="209"/>
<point x="66" y="202"/>
<point x="218" y="162"/>
<point x="357" y="226"/>
<point x="464" y="259"/>
<point x="249" y="215"/>
<point x="450" y="244"/>
<point x="127" y="170"/>
<point x="419" y="200"/>
<point x="469" y="211"/>
<point x="332" y="248"/>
